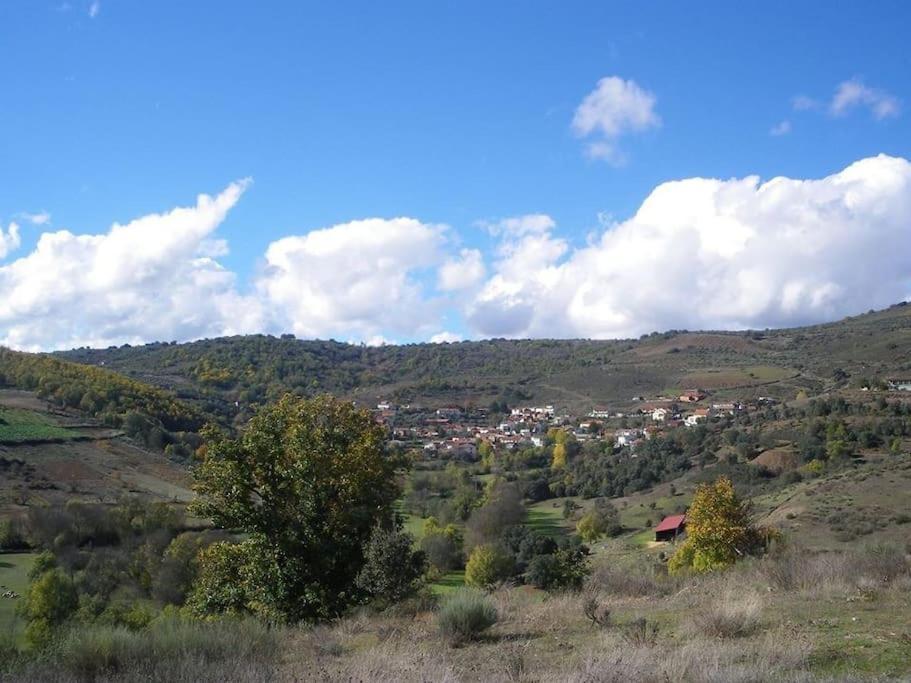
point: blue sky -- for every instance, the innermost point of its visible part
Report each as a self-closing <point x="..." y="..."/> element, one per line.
<point x="448" y="113"/>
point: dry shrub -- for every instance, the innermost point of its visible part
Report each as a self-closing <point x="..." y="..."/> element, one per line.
<point x="731" y="616"/>
<point x="640" y="632"/>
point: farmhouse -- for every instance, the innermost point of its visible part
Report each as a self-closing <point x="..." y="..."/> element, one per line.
<point x="691" y="396"/>
<point x="670" y="528"/>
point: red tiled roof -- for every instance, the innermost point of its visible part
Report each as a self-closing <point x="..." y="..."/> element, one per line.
<point x="671" y="523"/>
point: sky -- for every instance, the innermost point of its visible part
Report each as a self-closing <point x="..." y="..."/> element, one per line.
<point x="413" y="171"/>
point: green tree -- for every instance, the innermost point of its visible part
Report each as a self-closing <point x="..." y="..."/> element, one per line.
<point x="601" y="520"/>
<point x="718" y="529"/>
<point x="392" y="569"/>
<point x="50" y="600"/>
<point x="487" y="566"/>
<point x="306" y="483"/>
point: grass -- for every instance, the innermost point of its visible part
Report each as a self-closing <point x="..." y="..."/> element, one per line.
<point x="14" y="569"/>
<point x="17" y="426"/>
<point x="448" y="583"/>
<point x="546" y="519"/>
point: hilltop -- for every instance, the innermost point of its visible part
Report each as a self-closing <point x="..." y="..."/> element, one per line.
<point x="226" y="375"/>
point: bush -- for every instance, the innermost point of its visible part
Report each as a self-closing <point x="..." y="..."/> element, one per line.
<point x="465" y="615"/>
<point x="487" y="566"/>
<point x="564" y="569"/>
<point x="392" y="569"/>
<point x="169" y="649"/>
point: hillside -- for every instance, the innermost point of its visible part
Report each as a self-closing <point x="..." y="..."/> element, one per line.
<point x="572" y="374"/>
<point x="50" y="456"/>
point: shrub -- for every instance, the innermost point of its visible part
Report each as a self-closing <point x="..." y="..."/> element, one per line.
<point x="487" y="566"/>
<point x="566" y="568"/>
<point x="640" y="632"/>
<point x="392" y="569"/>
<point x="465" y="615"/>
<point x="169" y="648"/>
<point x="640" y="579"/>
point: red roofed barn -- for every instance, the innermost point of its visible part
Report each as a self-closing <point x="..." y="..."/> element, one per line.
<point x="670" y="528"/>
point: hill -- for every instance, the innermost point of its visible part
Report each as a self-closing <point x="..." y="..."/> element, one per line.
<point x="226" y="376"/>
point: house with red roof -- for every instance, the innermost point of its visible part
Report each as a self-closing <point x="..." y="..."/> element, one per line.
<point x="670" y="528"/>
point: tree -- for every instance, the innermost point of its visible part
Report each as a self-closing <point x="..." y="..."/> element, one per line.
<point x="600" y="520"/>
<point x="51" y="599"/>
<point x="487" y="566"/>
<point x="306" y="483"/>
<point x="718" y="529"/>
<point x="392" y="569"/>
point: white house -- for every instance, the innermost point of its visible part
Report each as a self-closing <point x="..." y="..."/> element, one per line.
<point x="660" y="414"/>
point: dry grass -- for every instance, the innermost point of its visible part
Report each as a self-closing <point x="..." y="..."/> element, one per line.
<point x="733" y="615"/>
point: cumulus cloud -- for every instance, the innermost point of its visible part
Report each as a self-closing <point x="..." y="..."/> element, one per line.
<point x="779" y="129"/>
<point x="9" y="240"/>
<point x="463" y="272"/>
<point x="445" y="338"/>
<point x="707" y="253"/>
<point x="358" y="278"/>
<point x="854" y="93"/>
<point x="148" y="279"/>
<point x="614" y="108"/>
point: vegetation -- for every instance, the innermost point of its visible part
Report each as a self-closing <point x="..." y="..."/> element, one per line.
<point x="465" y="615"/>
<point x="150" y="415"/>
<point x="306" y="483"/>
<point x="719" y="531"/>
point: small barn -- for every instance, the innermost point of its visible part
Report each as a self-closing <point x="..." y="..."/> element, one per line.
<point x="670" y="528"/>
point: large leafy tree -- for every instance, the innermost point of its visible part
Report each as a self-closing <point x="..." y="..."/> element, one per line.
<point x="305" y="483"/>
<point x="718" y="528"/>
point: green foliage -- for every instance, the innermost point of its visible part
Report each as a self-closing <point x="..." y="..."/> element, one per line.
<point x="392" y="569"/>
<point x="51" y="600"/>
<point x="718" y="530"/>
<point x="566" y="568"/>
<point x="488" y="565"/>
<point x="11" y="537"/>
<point x="442" y="545"/>
<point x="465" y="615"/>
<point x="23" y="425"/>
<point x="603" y="519"/>
<point x="144" y="412"/>
<point x="306" y="483"/>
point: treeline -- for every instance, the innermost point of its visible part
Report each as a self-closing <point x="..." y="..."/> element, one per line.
<point x="257" y="369"/>
<point x="145" y="413"/>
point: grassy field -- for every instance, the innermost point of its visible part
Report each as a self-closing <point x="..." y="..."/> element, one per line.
<point x="25" y="425"/>
<point x="14" y="569"/>
<point x="448" y="582"/>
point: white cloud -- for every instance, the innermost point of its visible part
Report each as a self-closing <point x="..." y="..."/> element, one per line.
<point x="141" y="281"/>
<point x="461" y="273"/>
<point x="359" y="278"/>
<point x="779" y="129"/>
<point x="705" y="253"/>
<point x="854" y="93"/>
<point x="516" y="226"/>
<point x="40" y="218"/>
<point x="94" y="8"/>
<point x="804" y="103"/>
<point x="10" y="240"/>
<point x="614" y="108"/>
<point x="445" y="338"/>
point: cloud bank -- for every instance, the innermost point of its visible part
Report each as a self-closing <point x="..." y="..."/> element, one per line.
<point x="698" y="253"/>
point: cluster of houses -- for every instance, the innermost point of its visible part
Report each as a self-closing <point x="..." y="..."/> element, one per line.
<point x="454" y="432"/>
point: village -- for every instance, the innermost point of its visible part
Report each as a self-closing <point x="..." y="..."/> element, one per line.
<point x="456" y="432"/>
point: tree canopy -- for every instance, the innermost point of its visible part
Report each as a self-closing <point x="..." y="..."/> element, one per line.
<point x="305" y="483"/>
